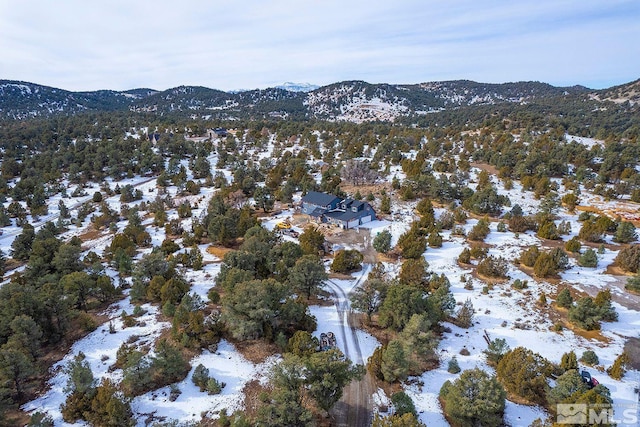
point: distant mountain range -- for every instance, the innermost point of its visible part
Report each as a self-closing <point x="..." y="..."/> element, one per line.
<point x="355" y="101"/>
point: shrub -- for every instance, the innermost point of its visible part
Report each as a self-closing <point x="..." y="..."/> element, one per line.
<point x="453" y="367"/>
<point x="168" y="246"/>
<point x="530" y="256"/>
<point x="479" y="231"/>
<point x="589" y="357"/>
<point x="464" y="317"/>
<point x="465" y="256"/>
<point x="519" y="284"/>
<point x="573" y="245"/>
<point x="564" y="299"/>
<point x="347" y="260"/>
<point x="588" y="259"/>
<point x="545" y="266"/>
<point x="496" y="350"/>
<point x="625" y="233"/>
<point x="628" y="259"/>
<point x="435" y="240"/>
<point x="542" y="301"/>
<point x="603" y="302"/>
<point x="478" y="252"/>
<point x="214" y="386"/>
<point x="402" y="404"/>
<point x="633" y="284"/>
<point x="494" y="267"/>
<point x="585" y="314"/>
<point x="548" y="230"/>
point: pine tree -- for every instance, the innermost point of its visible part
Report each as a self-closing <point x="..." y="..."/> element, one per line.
<point x="473" y="399"/>
<point x="588" y="259"/>
<point x="569" y="361"/>
<point x="496" y="350"/>
<point x="382" y="241"/>
<point x="625" y="232"/>
<point x="564" y="299"/>
<point x="394" y="365"/>
<point x="200" y="377"/>
<point x="385" y="205"/>
<point x="523" y="373"/>
<point x="109" y="407"/>
<point x="569" y="385"/>
<point x="464" y="317"/>
<point x="403" y="404"/>
<point x="619" y="367"/>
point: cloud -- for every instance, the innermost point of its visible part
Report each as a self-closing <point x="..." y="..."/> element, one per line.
<point x="81" y="45"/>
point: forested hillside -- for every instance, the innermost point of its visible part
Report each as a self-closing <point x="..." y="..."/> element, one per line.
<point x="158" y="269"/>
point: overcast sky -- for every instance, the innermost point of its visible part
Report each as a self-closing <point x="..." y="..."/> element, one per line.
<point x="245" y="44"/>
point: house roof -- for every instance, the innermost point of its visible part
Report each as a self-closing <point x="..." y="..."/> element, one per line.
<point x="320" y="199"/>
<point x="347" y="215"/>
<point x="317" y="212"/>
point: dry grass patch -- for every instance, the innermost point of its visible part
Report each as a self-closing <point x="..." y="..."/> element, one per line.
<point x="256" y="351"/>
<point x="218" y="251"/>
<point x="92" y="234"/>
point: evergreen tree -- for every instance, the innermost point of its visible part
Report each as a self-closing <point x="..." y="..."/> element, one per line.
<point x="346" y="261"/>
<point x="15" y="370"/>
<point x="496" y="350"/>
<point x="109" y="407"/>
<point x="21" y="246"/>
<point x="564" y="299"/>
<point x="453" y="367"/>
<point x="312" y="241"/>
<point x="589" y="357"/>
<point x="394" y="366"/>
<point x="307" y="275"/>
<point x="369" y="296"/>
<point x="464" y="317"/>
<point x="618" y="369"/>
<point x="200" y="377"/>
<point x="327" y="373"/>
<point x="568" y="386"/>
<point x="625" y="233"/>
<point x="523" y="373"/>
<point x="474" y="399"/>
<point x="588" y="259"/>
<point x="585" y="314"/>
<point x="382" y="241"/>
<point x="385" y="205"/>
<point x="413" y="243"/>
<point x="569" y="361"/>
<point x="403" y="404"/>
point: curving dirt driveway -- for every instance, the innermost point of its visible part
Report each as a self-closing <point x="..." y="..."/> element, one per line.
<point x="355" y="407"/>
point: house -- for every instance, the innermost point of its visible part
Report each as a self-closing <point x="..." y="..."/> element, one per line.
<point x="217" y="132"/>
<point x="346" y="213"/>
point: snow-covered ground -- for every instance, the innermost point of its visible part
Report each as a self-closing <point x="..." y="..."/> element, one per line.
<point x="501" y="312"/>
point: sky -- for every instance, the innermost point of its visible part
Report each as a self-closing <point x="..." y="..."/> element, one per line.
<point x="82" y="45"/>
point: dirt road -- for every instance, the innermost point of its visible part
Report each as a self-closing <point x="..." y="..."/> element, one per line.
<point x="355" y="408"/>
